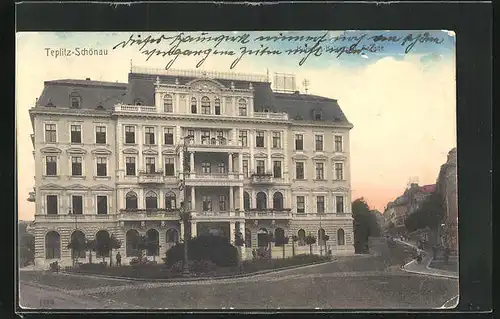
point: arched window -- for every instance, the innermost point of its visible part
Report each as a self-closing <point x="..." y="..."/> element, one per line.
<point x="279" y="235"/>
<point x="205" y="105"/>
<point x="132" y="241"/>
<point x="321" y="237"/>
<point x="246" y="201"/>
<point x="168" y="105"/>
<point x="278" y="200"/>
<point x="153" y="242"/>
<point x="170" y="201"/>
<point x="131" y="200"/>
<point x="151" y="200"/>
<point x="217" y="106"/>
<point x="78" y="238"/>
<point x="340" y="237"/>
<point x="102" y="243"/>
<point x="302" y="237"/>
<point x="242" y="107"/>
<point x="172" y="236"/>
<point x="194" y="105"/>
<point x="52" y="245"/>
<point x="262" y="237"/>
<point x="248" y="238"/>
<point x="261" y="201"/>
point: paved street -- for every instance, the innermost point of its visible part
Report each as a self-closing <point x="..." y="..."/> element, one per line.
<point x="347" y="283"/>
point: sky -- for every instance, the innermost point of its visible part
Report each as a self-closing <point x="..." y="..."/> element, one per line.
<point x="397" y="91"/>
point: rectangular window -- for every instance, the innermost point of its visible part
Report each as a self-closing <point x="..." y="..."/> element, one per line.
<point x="50" y="133"/>
<point x="245" y="168"/>
<point x="100" y="134"/>
<point x="244" y="138"/>
<point x="319" y="142"/>
<point x="339" y="200"/>
<point x="222" y="168"/>
<point x="129" y="134"/>
<point x="76" y="134"/>
<point x="150" y="136"/>
<point x="130" y="166"/>
<point x="76" y="166"/>
<point x="205" y="109"/>
<point x="169" y="166"/>
<point x="338" y="143"/>
<point x="51" y="166"/>
<point x="101" y="166"/>
<point x="102" y="205"/>
<point x="207" y="203"/>
<point x="205" y="137"/>
<point x="301" y="204"/>
<point x="52" y="205"/>
<point x="169" y="136"/>
<point x="259" y="138"/>
<point x="320" y="204"/>
<point x="299" y="142"/>
<point x="222" y="203"/>
<point x="77" y="205"/>
<point x="217" y="107"/>
<point x="276" y="140"/>
<point x="261" y="168"/>
<point x="205" y="168"/>
<point x="299" y="170"/>
<point x="190" y="133"/>
<point x="277" y="169"/>
<point x="339" y="171"/>
<point x="150" y="165"/>
<point x="320" y="171"/>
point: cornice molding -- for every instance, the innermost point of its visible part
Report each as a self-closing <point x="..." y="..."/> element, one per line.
<point x="50" y="149"/>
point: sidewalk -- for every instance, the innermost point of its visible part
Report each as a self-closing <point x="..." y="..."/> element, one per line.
<point x="423" y="268"/>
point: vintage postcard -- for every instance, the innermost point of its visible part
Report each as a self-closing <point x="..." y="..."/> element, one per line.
<point x="237" y="170"/>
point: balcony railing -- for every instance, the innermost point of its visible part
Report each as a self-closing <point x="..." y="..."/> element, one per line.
<point x="212" y="176"/>
<point x="273" y="116"/>
<point x="220" y="214"/>
<point x="151" y="178"/>
<point x="135" y="108"/>
<point x="266" y="178"/>
<point x="256" y="213"/>
<point x="79" y="217"/>
<point x="214" y="142"/>
<point x="156" y="213"/>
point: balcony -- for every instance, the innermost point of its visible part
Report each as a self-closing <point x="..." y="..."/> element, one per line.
<point x="149" y="214"/>
<point x="151" y="178"/>
<point x="134" y="108"/>
<point x="217" y="215"/>
<point x="214" y="179"/>
<point x="254" y="213"/>
<point x="271" y="116"/>
<point x="73" y="218"/>
<point x="213" y="144"/>
<point x="259" y="179"/>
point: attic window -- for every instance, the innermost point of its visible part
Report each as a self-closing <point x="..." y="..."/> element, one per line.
<point x="266" y="110"/>
<point x="318" y="115"/>
<point x="50" y="104"/>
<point x="75" y="100"/>
<point x="138" y="102"/>
<point x="100" y="107"/>
<point x="298" y="117"/>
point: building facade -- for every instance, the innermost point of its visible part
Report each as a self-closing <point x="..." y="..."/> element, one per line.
<point x="110" y="158"/>
<point x="447" y="187"/>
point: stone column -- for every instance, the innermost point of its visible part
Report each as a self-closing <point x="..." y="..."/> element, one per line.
<point x="193" y="229"/>
<point x="251" y="144"/>
<point x="191" y="162"/>
<point x="158" y="100"/>
<point x="240" y="194"/>
<point x="180" y="168"/>
<point x="253" y="200"/>
<point x="231" y="232"/>
<point x="242" y="230"/>
<point x="160" y="142"/>
<point x="269" y="165"/>
<point x="193" y="199"/>
<point x="240" y="164"/>
<point x="231" y="198"/>
<point x="230" y="163"/>
<point x="138" y="141"/>
<point x="181" y="231"/>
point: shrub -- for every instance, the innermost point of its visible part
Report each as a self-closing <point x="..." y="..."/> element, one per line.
<point x="216" y="249"/>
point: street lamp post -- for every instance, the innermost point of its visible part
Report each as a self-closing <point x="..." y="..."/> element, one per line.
<point x="185" y="210"/>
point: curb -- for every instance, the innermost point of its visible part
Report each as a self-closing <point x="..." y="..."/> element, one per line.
<point x="428" y="273"/>
<point x="189" y="279"/>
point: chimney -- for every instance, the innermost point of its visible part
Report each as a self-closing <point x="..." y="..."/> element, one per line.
<point x="87" y="79"/>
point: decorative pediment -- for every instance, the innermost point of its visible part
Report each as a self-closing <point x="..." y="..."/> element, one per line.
<point x="51" y="187"/>
<point x="277" y="155"/>
<point x="205" y="85"/>
<point x="300" y="189"/>
<point x="150" y="152"/>
<point x="340" y="189"/>
<point x="339" y="158"/>
<point x="260" y="154"/>
<point x="245" y="154"/>
<point x="130" y="151"/>
<point x="168" y="151"/>
<point x="101" y="187"/>
<point x="76" y="187"/>
<point x="50" y="150"/>
<point x="299" y="157"/>
<point x="101" y="151"/>
<point x="321" y="189"/>
<point x="76" y="150"/>
<point x="320" y="157"/>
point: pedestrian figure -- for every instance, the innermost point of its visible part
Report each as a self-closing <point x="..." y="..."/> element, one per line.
<point x="254" y="254"/>
<point x="118" y="259"/>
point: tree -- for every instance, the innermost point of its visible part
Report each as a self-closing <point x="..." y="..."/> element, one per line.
<point x="281" y="241"/>
<point x="310" y="240"/>
<point x="295" y="239"/>
<point x="103" y="247"/>
<point x="239" y="242"/>
<point x="76" y="245"/>
<point x="114" y="243"/>
<point x="90" y="246"/>
<point x="270" y="240"/>
<point x="26" y="245"/>
<point x="429" y="214"/>
<point x="365" y="225"/>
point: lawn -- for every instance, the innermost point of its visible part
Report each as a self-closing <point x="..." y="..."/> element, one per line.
<point x="160" y="271"/>
<point x="452" y="265"/>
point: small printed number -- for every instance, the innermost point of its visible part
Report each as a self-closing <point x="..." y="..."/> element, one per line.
<point x="46" y="302"/>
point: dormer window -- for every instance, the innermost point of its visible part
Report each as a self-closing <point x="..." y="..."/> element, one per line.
<point x="50" y="104"/>
<point x="266" y="110"/>
<point x="205" y="105"/>
<point x="194" y="105"/>
<point x="217" y="106"/>
<point x="168" y="106"/>
<point x="75" y="101"/>
<point x="100" y="107"/>
<point x="242" y="107"/>
<point x="138" y="102"/>
<point x="318" y="115"/>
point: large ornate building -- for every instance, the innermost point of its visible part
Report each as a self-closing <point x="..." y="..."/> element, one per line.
<point x="109" y="159"/>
